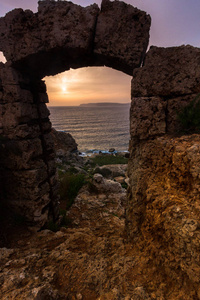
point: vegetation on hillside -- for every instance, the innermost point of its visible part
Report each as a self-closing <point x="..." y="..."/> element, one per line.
<point x="102" y="160"/>
<point x="70" y="184"/>
<point x="189" y="116"/>
<point x="73" y="177"/>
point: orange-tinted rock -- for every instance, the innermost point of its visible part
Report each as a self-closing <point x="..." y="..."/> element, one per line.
<point x="164" y="204"/>
<point x="162" y="216"/>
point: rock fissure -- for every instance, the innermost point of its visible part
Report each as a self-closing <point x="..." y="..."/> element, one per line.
<point x="92" y="43"/>
<point x="50" y="208"/>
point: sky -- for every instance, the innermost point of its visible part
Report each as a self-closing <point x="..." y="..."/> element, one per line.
<point x="174" y="23"/>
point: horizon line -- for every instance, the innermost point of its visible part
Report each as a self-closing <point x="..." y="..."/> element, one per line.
<point x="92" y="103"/>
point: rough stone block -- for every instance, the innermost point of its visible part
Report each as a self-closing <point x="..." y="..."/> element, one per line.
<point x="46" y="125"/>
<point x="43" y="111"/>
<point x="147" y="117"/>
<point x="58" y="25"/>
<point x="24" y="154"/>
<point x="9" y="75"/>
<point x="23" y="131"/>
<point x="31" y="177"/>
<point x="34" y="212"/>
<point x="43" y="97"/>
<point x="48" y="142"/>
<point x="170" y="72"/>
<point x="122" y="35"/>
<point x="14" y="93"/>
<point x="22" y="21"/>
<point x="67" y="24"/>
<point x="64" y="141"/>
<point x="27" y="193"/>
<point x="19" y="112"/>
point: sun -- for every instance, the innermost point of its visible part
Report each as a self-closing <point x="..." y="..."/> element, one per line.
<point x="64" y="89"/>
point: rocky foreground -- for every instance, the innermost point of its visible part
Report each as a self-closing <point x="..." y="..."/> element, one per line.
<point x="90" y="256"/>
<point x="88" y="259"/>
<point x="84" y="261"/>
<point x="91" y="259"/>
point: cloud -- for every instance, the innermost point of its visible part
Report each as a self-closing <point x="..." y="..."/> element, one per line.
<point x="88" y="84"/>
<point x="11" y="4"/>
<point x="172" y="21"/>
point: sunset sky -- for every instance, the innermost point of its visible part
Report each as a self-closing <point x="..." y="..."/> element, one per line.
<point x="174" y="22"/>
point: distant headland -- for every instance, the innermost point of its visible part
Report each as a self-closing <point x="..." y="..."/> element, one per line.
<point x="103" y="104"/>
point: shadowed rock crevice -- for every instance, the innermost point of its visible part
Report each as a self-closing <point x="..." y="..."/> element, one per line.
<point x="48" y="154"/>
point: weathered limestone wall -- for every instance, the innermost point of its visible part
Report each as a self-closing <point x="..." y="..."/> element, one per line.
<point x="27" y="156"/>
<point x="60" y="36"/>
<point x="164" y="201"/>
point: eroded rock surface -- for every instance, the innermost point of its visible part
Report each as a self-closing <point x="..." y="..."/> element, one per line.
<point x="106" y="185"/>
<point x="163" y="198"/>
<point x="27" y="157"/>
<point x="64" y="35"/>
<point x="91" y="259"/>
<point x="63" y="141"/>
<point x="112" y="171"/>
<point x="128" y="27"/>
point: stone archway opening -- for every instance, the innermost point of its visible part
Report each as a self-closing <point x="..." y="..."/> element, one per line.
<point x="85" y="92"/>
<point x="60" y="36"/>
<point x="97" y="126"/>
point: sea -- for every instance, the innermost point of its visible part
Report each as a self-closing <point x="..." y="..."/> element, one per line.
<point x="95" y="127"/>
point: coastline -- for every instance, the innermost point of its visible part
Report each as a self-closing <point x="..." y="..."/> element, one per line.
<point x="94" y="152"/>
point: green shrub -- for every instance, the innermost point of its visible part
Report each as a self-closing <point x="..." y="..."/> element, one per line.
<point x="105" y="172"/>
<point x="189" y="116"/>
<point x="51" y="225"/>
<point x="124" y="185"/>
<point x="70" y="184"/>
<point x="102" y="160"/>
<point x="65" y="222"/>
<point x="19" y="219"/>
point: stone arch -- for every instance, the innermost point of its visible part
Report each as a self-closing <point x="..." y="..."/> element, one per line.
<point x="60" y="36"/>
